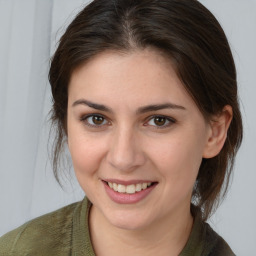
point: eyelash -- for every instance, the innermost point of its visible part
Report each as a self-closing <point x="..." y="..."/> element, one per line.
<point x="167" y="119"/>
<point x="85" y="120"/>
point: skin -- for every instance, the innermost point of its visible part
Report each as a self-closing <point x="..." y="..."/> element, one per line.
<point x="128" y="145"/>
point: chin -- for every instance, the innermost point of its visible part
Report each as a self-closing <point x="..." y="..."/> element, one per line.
<point x="128" y="225"/>
<point x="128" y="221"/>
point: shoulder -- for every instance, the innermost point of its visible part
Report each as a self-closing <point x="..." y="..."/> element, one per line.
<point x="215" y="244"/>
<point x="49" y="232"/>
<point x="204" y="241"/>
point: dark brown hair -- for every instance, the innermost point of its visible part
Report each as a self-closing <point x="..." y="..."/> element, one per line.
<point x="190" y="36"/>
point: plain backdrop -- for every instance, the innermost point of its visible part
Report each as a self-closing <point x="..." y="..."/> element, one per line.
<point x="29" y="32"/>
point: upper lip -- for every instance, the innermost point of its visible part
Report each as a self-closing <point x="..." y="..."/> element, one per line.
<point x="127" y="182"/>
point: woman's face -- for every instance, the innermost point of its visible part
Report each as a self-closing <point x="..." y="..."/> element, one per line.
<point x="132" y="127"/>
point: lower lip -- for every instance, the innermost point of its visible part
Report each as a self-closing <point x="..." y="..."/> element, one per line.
<point x="125" y="198"/>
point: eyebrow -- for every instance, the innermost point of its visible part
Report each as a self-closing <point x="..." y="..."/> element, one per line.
<point x="141" y="110"/>
<point x="156" y="107"/>
<point x="92" y="105"/>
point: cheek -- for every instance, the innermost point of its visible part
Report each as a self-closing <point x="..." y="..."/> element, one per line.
<point x="178" y="165"/>
<point x="178" y="158"/>
<point x="86" y="152"/>
<point x="86" y="156"/>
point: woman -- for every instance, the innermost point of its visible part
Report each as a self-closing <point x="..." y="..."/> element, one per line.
<point x="145" y="95"/>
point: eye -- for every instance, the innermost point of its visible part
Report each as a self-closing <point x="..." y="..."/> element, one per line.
<point x="160" y="121"/>
<point x="95" y="120"/>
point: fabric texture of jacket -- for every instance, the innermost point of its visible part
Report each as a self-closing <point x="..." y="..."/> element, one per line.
<point x="65" y="232"/>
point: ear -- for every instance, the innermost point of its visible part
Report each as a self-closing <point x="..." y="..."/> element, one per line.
<point x="219" y="125"/>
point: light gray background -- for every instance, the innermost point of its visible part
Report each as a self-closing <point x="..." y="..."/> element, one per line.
<point x="29" y="30"/>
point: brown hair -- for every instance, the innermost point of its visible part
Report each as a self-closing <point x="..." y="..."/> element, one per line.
<point x="190" y="36"/>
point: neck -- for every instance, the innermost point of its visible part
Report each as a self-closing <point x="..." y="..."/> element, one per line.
<point x="166" y="237"/>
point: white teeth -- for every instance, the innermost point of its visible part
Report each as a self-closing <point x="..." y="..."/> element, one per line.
<point x="121" y="188"/>
<point x="115" y="186"/>
<point x="110" y="184"/>
<point x="129" y="189"/>
<point x="138" y="187"/>
<point x="144" y="185"/>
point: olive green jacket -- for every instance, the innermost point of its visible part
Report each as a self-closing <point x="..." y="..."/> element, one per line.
<point x="65" y="232"/>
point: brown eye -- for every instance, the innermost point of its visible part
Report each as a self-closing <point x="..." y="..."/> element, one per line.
<point x="95" y="120"/>
<point x="159" y="121"/>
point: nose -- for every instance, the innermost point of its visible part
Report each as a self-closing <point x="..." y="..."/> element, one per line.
<point x="125" y="151"/>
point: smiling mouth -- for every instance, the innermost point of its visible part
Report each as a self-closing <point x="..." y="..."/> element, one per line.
<point x="129" y="189"/>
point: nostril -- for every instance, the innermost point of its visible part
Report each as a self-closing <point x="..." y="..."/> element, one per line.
<point x="122" y="161"/>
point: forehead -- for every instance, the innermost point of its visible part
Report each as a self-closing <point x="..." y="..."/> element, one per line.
<point x="138" y="77"/>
